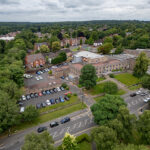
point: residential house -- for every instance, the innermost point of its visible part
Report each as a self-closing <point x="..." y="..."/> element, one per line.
<point x="37" y="46"/>
<point x="97" y="43"/>
<point x="34" y="61"/>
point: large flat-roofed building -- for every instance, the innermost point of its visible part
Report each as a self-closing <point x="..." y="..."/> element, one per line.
<point x="89" y="57"/>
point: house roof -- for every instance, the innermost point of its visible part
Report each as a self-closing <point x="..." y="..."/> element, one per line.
<point x="40" y="44"/>
<point x="78" y="66"/>
<point x="32" y="58"/>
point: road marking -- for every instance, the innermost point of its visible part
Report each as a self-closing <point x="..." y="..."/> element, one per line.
<point x="86" y="121"/>
<point x="68" y="128"/>
<point x="80" y="123"/>
<point x="54" y="134"/>
<point x="62" y="131"/>
<point x="74" y="126"/>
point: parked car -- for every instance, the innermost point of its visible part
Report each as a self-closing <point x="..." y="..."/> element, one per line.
<point x="66" y="98"/>
<point x="62" y="88"/>
<point x="20" y="104"/>
<point x="133" y="94"/>
<point x="54" y="124"/>
<point x="61" y="99"/>
<point x="146" y="99"/>
<point x="62" y="77"/>
<point x="32" y="95"/>
<point x="47" y="92"/>
<point x="55" y="90"/>
<point x="23" y="97"/>
<point x="48" y="102"/>
<point x="40" y="77"/>
<point x="57" y="101"/>
<point x="138" y="92"/>
<point x="52" y="101"/>
<point x="40" y="94"/>
<point x="67" y="119"/>
<point x="43" y="104"/>
<point x="38" y="72"/>
<point x="28" y="97"/>
<point x="41" y="129"/>
<point x="143" y="94"/>
<point x="43" y="92"/>
<point x="58" y="89"/>
<point x="51" y="91"/>
<point x="36" y="94"/>
<point x="38" y="105"/>
<point x="22" y="109"/>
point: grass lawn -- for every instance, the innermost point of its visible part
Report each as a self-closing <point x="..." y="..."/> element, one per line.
<point x="128" y="79"/>
<point x="100" y="79"/>
<point x="75" y="49"/>
<point x="50" y="116"/>
<point x="72" y="100"/>
<point x="85" y="146"/>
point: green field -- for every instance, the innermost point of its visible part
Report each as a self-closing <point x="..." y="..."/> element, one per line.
<point x="52" y="115"/>
<point x="100" y="79"/>
<point x="129" y="80"/>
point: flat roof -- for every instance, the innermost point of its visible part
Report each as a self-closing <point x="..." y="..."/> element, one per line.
<point x="7" y="38"/>
<point x="87" y="54"/>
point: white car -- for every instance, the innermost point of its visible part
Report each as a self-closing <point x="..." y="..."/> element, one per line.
<point x="146" y="99"/>
<point x="138" y="92"/>
<point x="23" y="98"/>
<point x="48" y="102"/>
<point x="37" y="78"/>
<point x="22" y="109"/>
<point x="40" y="77"/>
<point x="58" y="89"/>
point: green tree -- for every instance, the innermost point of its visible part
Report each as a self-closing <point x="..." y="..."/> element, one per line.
<point x="145" y="80"/>
<point x="55" y="46"/>
<point x="20" y="44"/>
<point x="144" y="127"/>
<point x="50" y="72"/>
<point x="110" y="87"/>
<point x="130" y="147"/>
<point x="44" y="49"/>
<point x="107" y="109"/>
<point x="88" y="76"/>
<point x="53" y="39"/>
<point x="30" y="114"/>
<point x="69" y="142"/>
<point x="119" y="49"/>
<point x="90" y="41"/>
<point x="34" y="141"/>
<point x="105" y="48"/>
<point x="9" y="112"/>
<point x="81" y="42"/>
<point x="141" y="65"/>
<point x="2" y="46"/>
<point x="104" y="137"/>
<point x="108" y="40"/>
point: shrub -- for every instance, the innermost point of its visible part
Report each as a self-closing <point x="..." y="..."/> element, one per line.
<point x="67" y="88"/>
<point x="83" y="137"/>
<point x="69" y="95"/>
<point x="64" y="85"/>
<point x="75" y="94"/>
<point x="111" y="76"/>
<point x="79" y="86"/>
<point x="110" y="87"/>
<point x="50" y="72"/>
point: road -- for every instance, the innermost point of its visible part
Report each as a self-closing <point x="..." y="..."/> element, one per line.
<point x="79" y="124"/>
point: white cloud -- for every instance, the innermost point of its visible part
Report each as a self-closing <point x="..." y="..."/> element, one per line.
<point x="68" y="10"/>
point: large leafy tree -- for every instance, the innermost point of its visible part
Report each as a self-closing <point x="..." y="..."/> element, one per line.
<point x="36" y="141"/>
<point x="2" y="46"/>
<point x="141" y="65"/>
<point x="145" y="80"/>
<point x="69" y="142"/>
<point x="110" y="87"/>
<point x="55" y="46"/>
<point x="88" y="76"/>
<point x="9" y="112"/>
<point x="20" y="44"/>
<point x="44" y="49"/>
<point x="144" y="127"/>
<point x="30" y="114"/>
<point x="104" y="137"/>
<point x="107" y="109"/>
<point x="105" y="48"/>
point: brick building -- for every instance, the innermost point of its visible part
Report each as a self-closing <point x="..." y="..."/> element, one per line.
<point x="34" y="61"/>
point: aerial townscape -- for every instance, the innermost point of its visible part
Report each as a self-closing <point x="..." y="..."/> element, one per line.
<point x="71" y="84"/>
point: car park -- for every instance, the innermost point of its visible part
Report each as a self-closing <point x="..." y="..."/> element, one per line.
<point x="22" y="109"/>
<point x="133" y="94"/>
<point x="54" y="124"/>
<point x="48" y="102"/>
<point x="41" y="129"/>
<point x="67" y="119"/>
<point x="52" y="101"/>
<point x="23" y="98"/>
<point x="61" y="99"/>
<point x="43" y="104"/>
<point x="38" y="106"/>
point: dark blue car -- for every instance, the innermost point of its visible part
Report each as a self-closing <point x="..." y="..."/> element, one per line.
<point x="67" y="119"/>
<point x="52" y="101"/>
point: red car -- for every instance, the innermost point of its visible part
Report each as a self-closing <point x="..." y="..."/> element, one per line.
<point x="68" y="93"/>
<point x="40" y="94"/>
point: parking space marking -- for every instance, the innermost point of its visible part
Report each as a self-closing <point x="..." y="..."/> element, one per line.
<point x="74" y="126"/>
<point x="80" y="123"/>
<point x="62" y="131"/>
<point x="86" y="121"/>
<point x="68" y="128"/>
<point x="55" y="134"/>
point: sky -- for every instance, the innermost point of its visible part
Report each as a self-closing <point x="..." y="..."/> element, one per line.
<point x="73" y="10"/>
